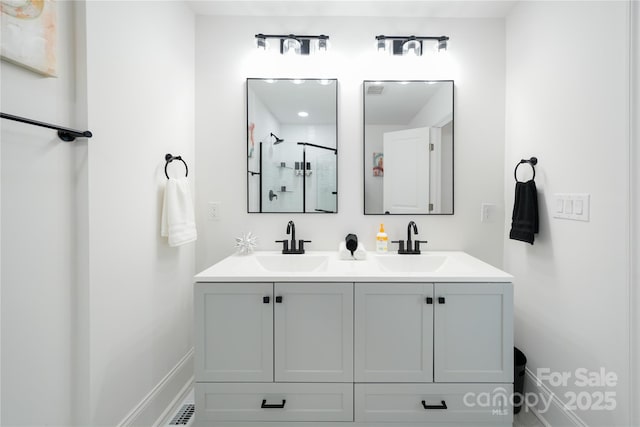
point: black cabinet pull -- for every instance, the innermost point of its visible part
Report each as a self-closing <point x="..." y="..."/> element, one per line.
<point x="279" y="299"/>
<point x="440" y="300"/>
<point x="429" y="300"/>
<point x="443" y="405"/>
<point x="274" y="405"/>
<point x="265" y="300"/>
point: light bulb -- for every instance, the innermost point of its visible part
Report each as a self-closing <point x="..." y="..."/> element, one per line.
<point x="412" y="46"/>
<point x="291" y="46"/>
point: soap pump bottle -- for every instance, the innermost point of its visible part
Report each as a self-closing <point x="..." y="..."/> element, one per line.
<point x="382" y="240"/>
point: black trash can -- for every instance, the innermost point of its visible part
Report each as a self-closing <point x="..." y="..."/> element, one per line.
<point x="519" y="364"/>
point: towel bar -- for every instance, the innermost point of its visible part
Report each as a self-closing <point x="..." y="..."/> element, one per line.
<point x="169" y="158"/>
<point x="532" y="162"/>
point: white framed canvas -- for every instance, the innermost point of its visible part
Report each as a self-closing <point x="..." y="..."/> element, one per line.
<point x="29" y="34"/>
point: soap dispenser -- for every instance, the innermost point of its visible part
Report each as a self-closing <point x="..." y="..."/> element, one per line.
<point x="382" y="241"/>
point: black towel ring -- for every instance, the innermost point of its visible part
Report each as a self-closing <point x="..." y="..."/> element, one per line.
<point x="532" y="162"/>
<point x="169" y="158"/>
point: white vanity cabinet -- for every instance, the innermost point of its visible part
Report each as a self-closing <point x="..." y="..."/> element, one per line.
<point x="424" y="332"/>
<point x="349" y="345"/>
<point x="273" y="352"/>
<point x="265" y="332"/>
<point x="393" y="332"/>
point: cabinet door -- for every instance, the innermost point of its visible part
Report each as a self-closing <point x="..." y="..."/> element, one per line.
<point x="314" y="332"/>
<point x="394" y="332"/>
<point x="473" y="332"/>
<point x="234" y="332"/>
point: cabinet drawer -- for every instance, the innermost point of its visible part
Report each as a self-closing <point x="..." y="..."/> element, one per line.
<point x="273" y="402"/>
<point x="464" y="403"/>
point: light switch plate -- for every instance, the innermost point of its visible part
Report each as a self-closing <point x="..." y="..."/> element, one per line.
<point x="574" y="206"/>
<point x="487" y="212"/>
<point x="213" y="213"/>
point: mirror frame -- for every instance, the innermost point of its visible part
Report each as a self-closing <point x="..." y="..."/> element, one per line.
<point x="248" y="173"/>
<point x="364" y="142"/>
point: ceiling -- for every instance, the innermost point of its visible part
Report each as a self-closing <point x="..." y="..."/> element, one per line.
<point x="398" y="103"/>
<point x="370" y="8"/>
<point x="284" y="100"/>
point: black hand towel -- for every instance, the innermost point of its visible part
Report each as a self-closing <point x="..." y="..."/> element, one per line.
<point x="525" y="212"/>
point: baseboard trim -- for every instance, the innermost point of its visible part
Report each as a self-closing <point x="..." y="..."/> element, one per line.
<point x="153" y="408"/>
<point x="557" y="414"/>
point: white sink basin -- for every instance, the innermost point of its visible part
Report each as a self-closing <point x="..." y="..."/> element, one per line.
<point x="410" y="263"/>
<point x="293" y="263"/>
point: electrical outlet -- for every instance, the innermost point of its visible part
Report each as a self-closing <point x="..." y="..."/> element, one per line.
<point x="214" y="211"/>
<point x="487" y="212"/>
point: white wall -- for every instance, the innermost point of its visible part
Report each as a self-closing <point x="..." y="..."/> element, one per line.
<point x="38" y="228"/>
<point x="437" y="111"/>
<point x="567" y="103"/>
<point x="226" y="56"/>
<point x="140" y="96"/>
<point x="635" y="187"/>
<point x="374" y="194"/>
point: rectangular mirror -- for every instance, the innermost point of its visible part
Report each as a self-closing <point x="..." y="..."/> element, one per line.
<point x="292" y="150"/>
<point x="408" y="147"/>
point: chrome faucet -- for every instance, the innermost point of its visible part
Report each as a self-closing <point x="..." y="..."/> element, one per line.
<point x="291" y="229"/>
<point x="411" y="249"/>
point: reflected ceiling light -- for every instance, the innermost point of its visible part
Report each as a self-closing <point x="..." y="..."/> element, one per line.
<point x="292" y="44"/>
<point x="297" y="81"/>
<point x="270" y="80"/>
<point x="303" y="114"/>
<point x="325" y="82"/>
<point x="405" y="45"/>
<point x="404" y="82"/>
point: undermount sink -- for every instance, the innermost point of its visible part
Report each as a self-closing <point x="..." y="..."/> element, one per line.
<point x="410" y="263"/>
<point x="293" y="263"/>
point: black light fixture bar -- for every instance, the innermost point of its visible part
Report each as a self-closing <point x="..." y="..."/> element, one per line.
<point x="64" y="134"/>
<point x="304" y="40"/>
<point x="398" y="42"/>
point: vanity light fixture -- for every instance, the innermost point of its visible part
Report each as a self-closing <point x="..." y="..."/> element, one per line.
<point x="405" y="45"/>
<point x="292" y="44"/>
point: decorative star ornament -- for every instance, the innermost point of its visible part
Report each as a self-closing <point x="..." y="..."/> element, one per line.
<point x="246" y="243"/>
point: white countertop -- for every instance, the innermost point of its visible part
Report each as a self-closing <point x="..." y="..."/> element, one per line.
<point x="325" y="266"/>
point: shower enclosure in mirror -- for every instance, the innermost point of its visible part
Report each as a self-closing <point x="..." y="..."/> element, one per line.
<point x="292" y="150"/>
<point x="408" y="147"/>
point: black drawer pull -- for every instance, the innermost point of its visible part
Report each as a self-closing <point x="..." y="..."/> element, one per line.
<point x="429" y="300"/>
<point x="442" y="406"/>
<point x="265" y="300"/>
<point x="272" y="406"/>
<point x="279" y="299"/>
<point x="440" y="300"/>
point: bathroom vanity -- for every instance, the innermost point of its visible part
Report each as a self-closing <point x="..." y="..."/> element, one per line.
<point x="312" y="340"/>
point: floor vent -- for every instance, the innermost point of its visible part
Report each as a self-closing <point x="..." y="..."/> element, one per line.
<point x="184" y="415"/>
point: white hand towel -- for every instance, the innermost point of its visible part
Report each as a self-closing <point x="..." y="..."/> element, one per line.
<point x="178" y="219"/>
<point x="343" y="252"/>
<point x="360" y="253"/>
